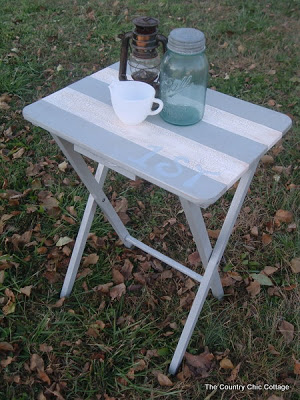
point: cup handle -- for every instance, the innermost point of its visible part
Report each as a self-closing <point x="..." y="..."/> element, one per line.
<point x="160" y="103"/>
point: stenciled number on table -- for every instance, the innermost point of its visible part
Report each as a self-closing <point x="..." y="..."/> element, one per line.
<point x="161" y="168"/>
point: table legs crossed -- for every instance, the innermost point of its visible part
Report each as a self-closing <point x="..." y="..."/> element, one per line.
<point x="210" y="278"/>
<point x="210" y="258"/>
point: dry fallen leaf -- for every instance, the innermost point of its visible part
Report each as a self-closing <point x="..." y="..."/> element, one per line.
<point x="59" y="303"/>
<point x="45" y="348"/>
<point x="117" y="291"/>
<point x="274" y="397"/>
<point x="19" y="153"/>
<point x="268" y="270"/>
<point x="5" y="346"/>
<point x="284" y="216"/>
<point x="287" y="331"/>
<point x="36" y="362"/>
<point x="163" y="380"/>
<point x="63" y="241"/>
<point x="262" y="279"/>
<point x="266" y="239"/>
<point x="127" y="269"/>
<point x="297" y="367"/>
<point x="5" y="363"/>
<point x="117" y="276"/>
<point x="295" y="265"/>
<point x="139" y="365"/>
<point x="254" y="288"/>
<point x="63" y="166"/>
<point x="194" y="258"/>
<point x="273" y="350"/>
<point x="267" y="159"/>
<point x="201" y="362"/>
<point x="91" y="259"/>
<point x="26" y="290"/>
<point x="226" y="363"/>
<point x="234" y="373"/>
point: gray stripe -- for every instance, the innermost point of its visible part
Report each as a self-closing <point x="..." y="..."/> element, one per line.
<point x="244" y="109"/>
<point x="197" y="188"/>
<point x="244" y="149"/>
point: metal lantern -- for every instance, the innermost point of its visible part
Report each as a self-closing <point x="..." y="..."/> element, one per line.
<point x="143" y="57"/>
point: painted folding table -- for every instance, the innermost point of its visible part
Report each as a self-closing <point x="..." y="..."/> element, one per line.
<point x="199" y="163"/>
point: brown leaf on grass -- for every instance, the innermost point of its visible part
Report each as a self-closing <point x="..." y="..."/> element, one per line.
<point x="19" y="153"/>
<point x="72" y="211"/>
<point x="268" y="270"/>
<point x="284" y="216"/>
<point x="194" y="258"/>
<point x="274" y="397"/>
<point x="91" y="259"/>
<point x="36" y="363"/>
<point x="271" y="103"/>
<point x="63" y="166"/>
<point x="297" y="367"/>
<point x="69" y="220"/>
<point x="184" y="374"/>
<point x="234" y="373"/>
<point x="51" y="276"/>
<point x="121" y="205"/>
<point x="272" y="350"/>
<point x="213" y="234"/>
<point x="103" y="288"/>
<point x="254" y="231"/>
<point x="20" y="240"/>
<point x="287" y="331"/>
<point x="117" y="276"/>
<point x="167" y="274"/>
<point x="62" y="241"/>
<point x="139" y="365"/>
<point x="295" y="265"/>
<point x="41" y="396"/>
<point x="26" y="290"/>
<point x="5" y="346"/>
<point x="127" y="269"/>
<point x="163" y="380"/>
<point x="117" y="291"/>
<point x="266" y="239"/>
<point x="85" y="272"/>
<point x="254" y="288"/>
<point x="226" y="364"/>
<point x="5" y="363"/>
<point x="43" y="376"/>
<point x="59" y="303"/>
<point x="201" y="364"/>
<point x="267" y="159"/>
<point x="45" y="348"/>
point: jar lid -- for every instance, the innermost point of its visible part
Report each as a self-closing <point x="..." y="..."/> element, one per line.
<point x="186" y="41"/>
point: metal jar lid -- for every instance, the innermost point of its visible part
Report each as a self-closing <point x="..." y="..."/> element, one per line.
<point x="186" y="41"/>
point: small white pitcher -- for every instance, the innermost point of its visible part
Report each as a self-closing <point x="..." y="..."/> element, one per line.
<point x="132" y="101"/>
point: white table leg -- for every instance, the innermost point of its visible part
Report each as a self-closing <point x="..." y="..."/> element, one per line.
<point x="195" y="220"/>
<point x="83" y="232"/>
<point x="96" y="196"/>
<point x="211" y="268"/>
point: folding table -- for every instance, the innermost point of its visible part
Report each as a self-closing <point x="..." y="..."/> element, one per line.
<point x="198" y="163"/>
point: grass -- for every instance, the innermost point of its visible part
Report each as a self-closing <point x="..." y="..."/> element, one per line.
<point x="252" y="47"/>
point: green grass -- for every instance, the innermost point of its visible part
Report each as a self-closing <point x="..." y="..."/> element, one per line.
<point x="253" y="51"/>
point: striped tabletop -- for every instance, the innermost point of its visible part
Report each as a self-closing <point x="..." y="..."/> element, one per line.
<point x="198" y="162"/>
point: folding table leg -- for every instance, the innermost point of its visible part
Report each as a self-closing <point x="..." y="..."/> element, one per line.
<point x="195" y="219"/>
<point x="99" y="197"/>
<point x="211" y="268"/>
<point x="83" y="232"/>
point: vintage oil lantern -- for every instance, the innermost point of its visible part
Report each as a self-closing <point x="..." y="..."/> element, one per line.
<point x="139" y="50"/>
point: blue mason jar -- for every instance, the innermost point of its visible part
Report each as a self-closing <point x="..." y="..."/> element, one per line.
<point x="183" y="77"/>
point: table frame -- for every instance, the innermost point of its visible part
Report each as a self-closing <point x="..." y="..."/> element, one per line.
<point x="210" y="257"/>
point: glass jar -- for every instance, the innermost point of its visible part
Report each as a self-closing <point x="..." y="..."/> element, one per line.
<point x="183" y="77"/>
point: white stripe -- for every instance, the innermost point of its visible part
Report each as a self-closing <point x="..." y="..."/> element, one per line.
<point x="173" y="146"/>
<point x="222" y="119"/>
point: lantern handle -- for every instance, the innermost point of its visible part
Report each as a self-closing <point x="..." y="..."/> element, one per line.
<point x="163" y="40"/>
<point x="124" y="54"/>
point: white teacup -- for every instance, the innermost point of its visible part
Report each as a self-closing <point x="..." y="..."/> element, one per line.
<point x="132" y="101"/>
